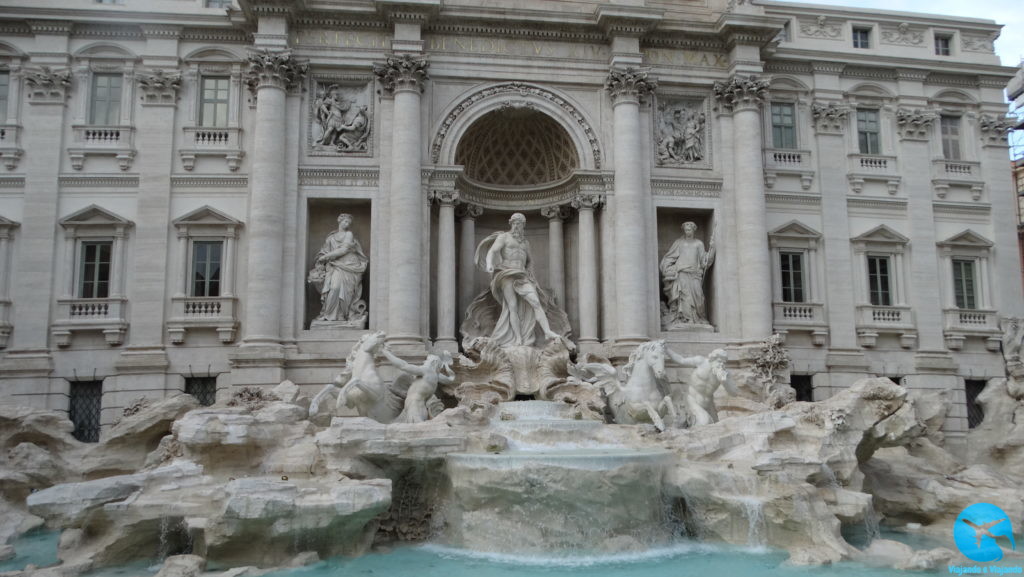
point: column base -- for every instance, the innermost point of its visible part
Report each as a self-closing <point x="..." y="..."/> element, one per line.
<point x="447" y="344"/>
<point x="406" y="346"/>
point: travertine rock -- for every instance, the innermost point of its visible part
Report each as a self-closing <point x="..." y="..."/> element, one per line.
<point x="124" y="446"/>
<point x="182" y="566"/>
<point x="999" y="439"/>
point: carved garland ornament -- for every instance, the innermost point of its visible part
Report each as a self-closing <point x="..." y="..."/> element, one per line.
<point x="274" y="68"/>
<point x="913" y="124"/>
<point x="159" y="87"/>
<point x="629" y="85"/>
<point x="522" y="90"/>
<point x="995" y="129"/>
<point x="739" y="91"/>
<point x="828" y="117"/>
<point x="403" y="72"/>
<point x="45" y="84"/>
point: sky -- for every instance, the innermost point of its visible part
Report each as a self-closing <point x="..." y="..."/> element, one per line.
<point x="1010" y="13"/>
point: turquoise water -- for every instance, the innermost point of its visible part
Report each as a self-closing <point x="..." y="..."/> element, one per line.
<point x="683" y="560"/>
<point x="37" y="548"/>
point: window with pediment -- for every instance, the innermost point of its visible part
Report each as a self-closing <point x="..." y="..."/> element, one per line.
<point x="798" y="293"/>
<point x="102" y="103"/>
<point x="92" y="276"/>
<point x="204" y="297"/>
<point x="881" y="286"/>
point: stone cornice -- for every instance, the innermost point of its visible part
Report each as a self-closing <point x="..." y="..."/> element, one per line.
<point x="788" y="67"/>
<point x="315" y="176"/>
<point x="869" y="72"/>
<point x="161" y="31"/>
<point x="404" y="72"/>
<point x="748" y="29"/>
<point x="618" y="20"/>
<point x="99" y="181"/>
<point x="51" y="27"/>
<point x="629" y="85"/>
<point x="962" y="208"/>
<point x="232" y="35"/>
<point x="12" y="28"/>
<point x="12" y="182"/>
<point x="517" y="30"/>
<point x="421" y="11"/>
<point x="684" y="40"/>
<point x="802" y="199"/>
<point x="686" y="187"/>
<point x="204" y="182"/>
<point x="277" y="69"/>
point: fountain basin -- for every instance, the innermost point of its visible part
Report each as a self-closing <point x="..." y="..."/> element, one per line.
<point x="544" y="501"/>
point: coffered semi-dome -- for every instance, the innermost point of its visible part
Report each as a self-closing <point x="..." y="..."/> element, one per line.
<point x="516" y="147"/>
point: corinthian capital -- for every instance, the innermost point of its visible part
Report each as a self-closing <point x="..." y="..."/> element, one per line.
<point x="995" y="130"/>
<point x="740" y="92"/>
<point x="159" y="86"/>
<point x="585" y="201"/>
<point x="276" y="68"/>
<point x="47" y="85"/>
<point x="629" y="85"/>
<point x="404" y="72"/>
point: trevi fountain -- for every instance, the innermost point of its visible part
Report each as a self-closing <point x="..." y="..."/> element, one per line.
<point x="519" y="455"/>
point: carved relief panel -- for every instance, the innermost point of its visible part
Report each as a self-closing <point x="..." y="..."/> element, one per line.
<point x="681" y="132"/>
<point x="341" y="116"/>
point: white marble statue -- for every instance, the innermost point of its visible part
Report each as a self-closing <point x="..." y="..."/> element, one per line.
<point x="708" y="374"/>
<point x="643" y="397"/>
<point x="420" y="383"/>
<point x="361" y="388"/>
<point x="682" y="269"/>
<point x="338" y="275"/>
<point x="515" y="306"/>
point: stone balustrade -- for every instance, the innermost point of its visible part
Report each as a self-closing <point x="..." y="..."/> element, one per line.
<point x="106" y="315"/>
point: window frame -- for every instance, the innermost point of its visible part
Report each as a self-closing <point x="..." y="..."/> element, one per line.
<point x="5" y="95"/>
<point x="801" y="274"/>
<point x="968" y="288"/>
<point x="943" y="44"/>
<point x="194" y="242"/>
<point x="877" y="132"/>
<point x="794" y="128"/>
<point x="967" y="246"/>
<point x="888" y="276"/>
<point x="206" y="224"/>
<point x="955" y="148"/>
<point x="201" y="117"/>
<point x="796" y="237"/>
<point x="881" y="241"/>
<point x="81" y="280"/>
<point x="94" y="224"/>
<point x="868" y="31"/>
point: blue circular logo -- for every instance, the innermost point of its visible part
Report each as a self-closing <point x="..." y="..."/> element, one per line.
<point x="981" y="531"/>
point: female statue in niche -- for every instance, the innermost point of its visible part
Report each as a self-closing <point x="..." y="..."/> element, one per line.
<point x="683" y="268"/>
<point x="338" y="275"/>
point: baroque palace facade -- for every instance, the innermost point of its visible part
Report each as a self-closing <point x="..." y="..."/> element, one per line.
<point x="174" y="171"/>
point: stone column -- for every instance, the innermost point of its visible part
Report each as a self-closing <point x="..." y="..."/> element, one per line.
<point x="28" y="357"/>
<point x="556" y="215"/>
<point x="1006" y="280"/>
<point x="467" y="213"/>
<point x="269" y="75"/>
<point x="585" y="205"/>
<point x="744" y="95"/>
<point x="404" y="77"/>
<point x="446" y="313"/>
<point x="627" y="87"/>
<point x="921" y="289"/>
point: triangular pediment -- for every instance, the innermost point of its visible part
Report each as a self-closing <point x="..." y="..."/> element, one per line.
<point x="206" y="215"/>
<point x="967" y="238"/>
<point x="881" y="233"/>
<point x="7" y="223"/>
<point x="795" y="229"/>
<point x="94" y="215"/>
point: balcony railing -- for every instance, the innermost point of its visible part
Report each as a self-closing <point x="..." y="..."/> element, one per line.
<point x="799" y="314"/>
<point x="212" y="141"/>
<point x="786" y="161"/>
<point x="217" y="313"/>
<point x="874" y="167"/>
<point x="106" y="315"/>
<point x="971" y="320"/>
<point x="874" y="320"/>
<point x="117" y="141"/>
<point x="956" y="170"/>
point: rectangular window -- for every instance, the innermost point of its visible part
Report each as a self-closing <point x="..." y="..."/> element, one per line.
<point x="963" y="284"/>
<point x="867" y="131"/>
<point x="950" y="128"/>
<point x="879" y="281"/>
<point x="975" y="414"/>
<point x="106" y="100"/>
<point x="792" y="269"/>
<point x="94" y="269"/>
<point x="943" y="45"/>
<point x="213" y="108"/>
<point x="783" y="125"/>
<point x="204" y="389"/>
<point x="861" y="37"/>
<point x="86" y="398"/>
<point x="5" y="88"/>
<point x="206" y="260"/>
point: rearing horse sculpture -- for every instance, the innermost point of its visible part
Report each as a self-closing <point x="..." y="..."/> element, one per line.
<point x="643" y="397"/>
<point x="361" y="387"/>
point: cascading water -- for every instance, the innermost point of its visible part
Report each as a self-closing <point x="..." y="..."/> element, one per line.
<point x="753" y="510"/>
<point x="556" y="489"/>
